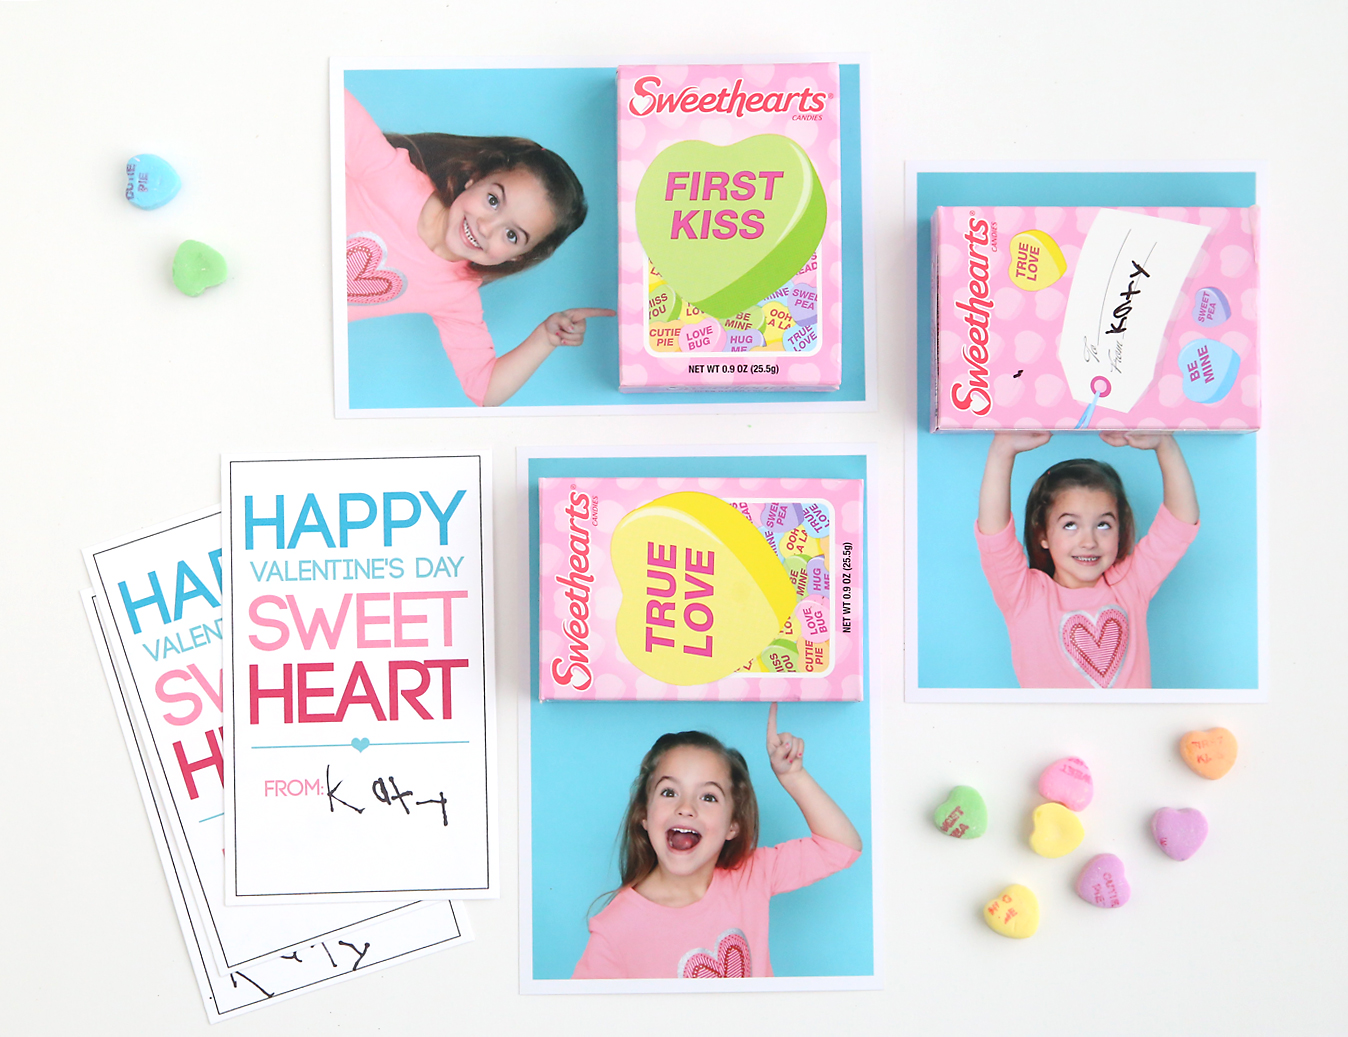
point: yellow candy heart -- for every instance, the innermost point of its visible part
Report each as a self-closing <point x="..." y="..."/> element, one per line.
<point x="1014" y="912"/>
<point x="1057" y="831"/>
<point x="702" y="589"/>
<point x="1036" y="260"/>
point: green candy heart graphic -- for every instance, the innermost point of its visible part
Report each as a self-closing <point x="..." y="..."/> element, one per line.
<point x="728" y="226"/>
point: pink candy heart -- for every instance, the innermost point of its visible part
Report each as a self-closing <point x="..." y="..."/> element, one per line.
<point x="1102" y="882"/>
<point x="1179" y="832"/>
<point x="1067" y="782"/>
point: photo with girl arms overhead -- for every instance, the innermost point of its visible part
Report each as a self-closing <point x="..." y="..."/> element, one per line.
<point x="433" y="217"/>
<point x="1076" y="610"/>
<point x="695" y="889"/>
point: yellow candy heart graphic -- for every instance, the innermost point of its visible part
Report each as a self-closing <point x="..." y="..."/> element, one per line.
<point x="702" y="589"/>
<point x="1036" y="260"/>
<point x="1014" y="912"/>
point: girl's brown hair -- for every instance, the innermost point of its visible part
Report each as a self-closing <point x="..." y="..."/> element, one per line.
<point x="1088" y="474"/>
<point x="452" y="162"/>
<point x="636" y="855"/>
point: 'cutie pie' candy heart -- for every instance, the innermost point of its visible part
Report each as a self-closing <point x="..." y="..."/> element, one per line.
<point x="963" y="815"/>
<point x="196" y="267"/>
<point x="1211" y="307"/>
<point x="1013" y="912"/>
<point x="1057" y="831"/>
<point x="1210" y="753"/>
<point x="150" y="182"/>
<point x="1036" y="260"/>
<point x="729" y="225"/>
<point x="1179" y="832"/>
<point x="1103" y="883"/>
<point x="1067" y="782"/>
<point x="702" y="590"/>
<point x="1208" y="369"/>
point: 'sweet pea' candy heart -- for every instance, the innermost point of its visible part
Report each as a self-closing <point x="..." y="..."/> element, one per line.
<point x="702" y="590"/>
<point x="729" y="225"/>
<point x="1211" y="307"/>
<point x="1014" y="912"/>
<point x="963" y="815"/>
<point x="1103" y="883"/>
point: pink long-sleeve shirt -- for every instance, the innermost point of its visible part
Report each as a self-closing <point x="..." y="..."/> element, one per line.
<point x="389" y="269"/>
<point x="725" y="934"/>
<point x="1087" y="637"/>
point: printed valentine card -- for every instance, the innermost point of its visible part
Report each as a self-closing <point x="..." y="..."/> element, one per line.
<point x="320" y="960"/>
<point x="162" y="587"/>
<point x="358" y="613"/>
<point x="713" y="588"/>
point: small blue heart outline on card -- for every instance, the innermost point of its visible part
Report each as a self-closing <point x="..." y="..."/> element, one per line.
<point x="360" y="744"/>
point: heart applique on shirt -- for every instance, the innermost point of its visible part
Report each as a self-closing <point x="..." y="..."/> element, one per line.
<point x="368" y="280"/>
<point x="1097" y="645"/>
<point x="731" y="960"/>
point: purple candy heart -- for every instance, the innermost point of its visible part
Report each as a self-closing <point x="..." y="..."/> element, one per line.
<point x="1179" y="832"/>
<point x="1102" y="882"/>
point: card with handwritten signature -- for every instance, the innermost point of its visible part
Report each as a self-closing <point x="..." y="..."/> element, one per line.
<point x="359" y="691"/>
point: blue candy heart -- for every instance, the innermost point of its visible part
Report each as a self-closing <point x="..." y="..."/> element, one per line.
<point x="360" y="744"/>
<point x="1208" y="369"/>
<point x="150" y="181"/>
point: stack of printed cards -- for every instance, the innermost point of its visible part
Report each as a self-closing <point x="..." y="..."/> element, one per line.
<point x="353" y="593"/>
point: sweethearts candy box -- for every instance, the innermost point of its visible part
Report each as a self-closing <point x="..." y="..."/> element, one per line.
<point x="1076" y="318"/>
<point x="700" y="589"/>
<point x="729" y="227"/>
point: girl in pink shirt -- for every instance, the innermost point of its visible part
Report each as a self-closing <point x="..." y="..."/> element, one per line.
<point x="695" y="885"/>
<point x="431" y="217"/>
<point x="1077" y="612"/>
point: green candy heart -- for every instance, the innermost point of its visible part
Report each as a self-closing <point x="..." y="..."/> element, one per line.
<point x="664" y="304"/>
<point x="782" y="656"/>
<point x="963" y="815"/>
<point x="196" y="267"/>
<point x="732" y="244"/>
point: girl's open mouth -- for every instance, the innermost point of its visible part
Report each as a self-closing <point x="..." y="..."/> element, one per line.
<point x="468" y="235"/>
<point x="682" y="838"/>
<point x="1086" y="559"/>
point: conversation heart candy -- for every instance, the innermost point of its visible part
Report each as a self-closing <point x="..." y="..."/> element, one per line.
<point x="777" y="320"/>
<point x="811" y="616"/>
<point x="1209" y="753"/>
<point x="703" y="337"/>
<point x="814" y="656"/>
<point x="1211" y="307"/>
<point x="196" y="267"/>
<point x="781" y="656"/>
<point x="1036" y="260"/>
<point x="1102" y="882"/>
<point x="701" y="589"/>
<point x="663" y="303"/>
<point x="801" y="339"/>
<point x="795" y="540"/>
<point x="963" y="815"/>
<point x="742" y="341"/>
<point x="1208" y="369"/>
<point x="1067" y="782"/>
<point x="797" y="571"/>
<point x="1057" y="831"/>
<point x="725" y="255"/>
<point x="816" y="577"/>
<point x="151" y="182"/>
<point x="1014" y="912"/>
<point x="803" y="302"/>
<point x="746" y="320"/>
<point x="690" y="314"/>
<point x="1179" y="832"/>
<point x="664" y="338"/>
<point x="782" y="295"/>
<point x="781" y="515"/>
<point x="816" y="518"/>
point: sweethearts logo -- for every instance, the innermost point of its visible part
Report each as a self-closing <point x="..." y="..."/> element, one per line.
<point x="978" y="315"/>
<point x="647" y="100"/>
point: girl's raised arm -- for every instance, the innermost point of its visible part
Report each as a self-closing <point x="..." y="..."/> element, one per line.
<point x="994" y="496"/>
<point x="786" y="754"/>
<point x="1179" y="495"/>
<point x="566" y="328"/>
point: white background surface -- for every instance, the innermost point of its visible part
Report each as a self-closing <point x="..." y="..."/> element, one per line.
<point x="118" y="395"/>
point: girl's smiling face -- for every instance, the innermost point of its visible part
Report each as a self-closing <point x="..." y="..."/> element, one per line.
<point x="689" y="813"/>
<point x="1082" y="535"/>
<point x="496" y="219"/>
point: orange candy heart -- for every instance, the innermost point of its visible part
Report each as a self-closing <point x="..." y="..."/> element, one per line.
<point x="1210" y="753"/>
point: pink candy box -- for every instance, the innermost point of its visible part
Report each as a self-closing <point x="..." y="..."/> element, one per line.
<point x="1088" y="318"/>
<point x="729" y="228"/>
<point x="659" y="588"/>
